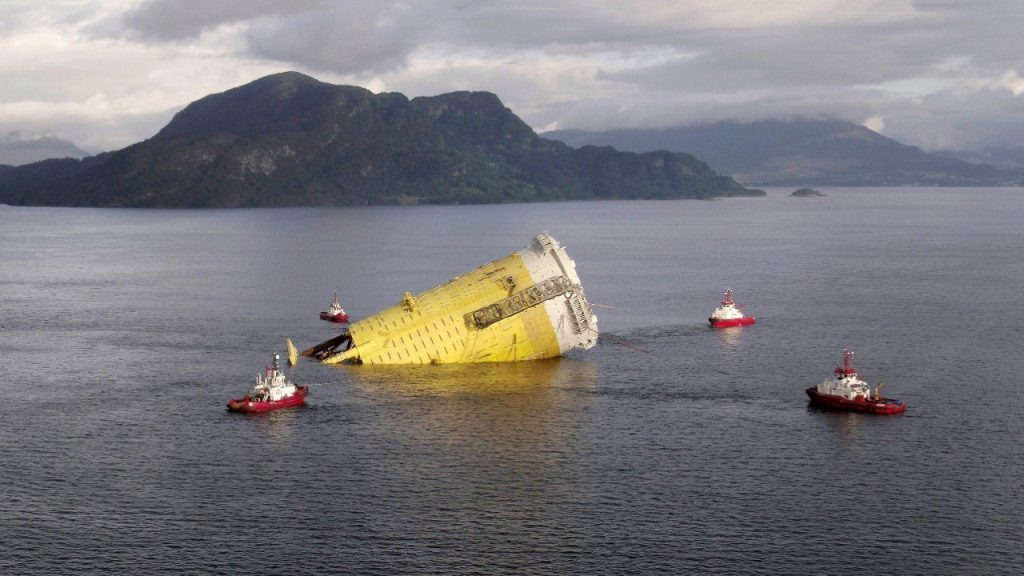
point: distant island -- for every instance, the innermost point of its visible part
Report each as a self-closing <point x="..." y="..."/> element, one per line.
<point x="16" y="150"/>
<point x="803" y="152"/>
<point x="291" y="140"/>
<point x="805" y="193"/>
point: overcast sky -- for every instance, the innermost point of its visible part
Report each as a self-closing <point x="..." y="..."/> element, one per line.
<point x="932" y="73"/>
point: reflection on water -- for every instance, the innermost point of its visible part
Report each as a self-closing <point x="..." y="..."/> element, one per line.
<point x="476" y="379"/>
<point x="277" y="426"/>
<point x="731" y="337"/>
<point x="846" y="424"/>
<point x="509" y="431"/>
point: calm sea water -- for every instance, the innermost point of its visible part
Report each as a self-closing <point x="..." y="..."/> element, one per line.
<point x="668" y="448"/>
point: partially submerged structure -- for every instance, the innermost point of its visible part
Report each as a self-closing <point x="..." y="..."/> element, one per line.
<point x="526" y="306"/>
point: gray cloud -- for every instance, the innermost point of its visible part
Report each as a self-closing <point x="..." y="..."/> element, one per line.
<point x="952" y="119"/>
<point x="185" y="19"/>
<point x="937" y="73"/>
<point x="366" y="37"/>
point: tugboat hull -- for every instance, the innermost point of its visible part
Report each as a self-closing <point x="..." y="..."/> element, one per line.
<point x="339" y="318"/>
<point x="730" y="322"/>
<point x="247" y="405"/>
<point x="880" y="406"/>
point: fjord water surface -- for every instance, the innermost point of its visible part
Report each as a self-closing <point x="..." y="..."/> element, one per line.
<point x="668" y="448"/>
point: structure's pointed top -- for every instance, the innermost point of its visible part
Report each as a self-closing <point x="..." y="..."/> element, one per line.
<point x="847" y="368"/>
<point x="727" y="300"/>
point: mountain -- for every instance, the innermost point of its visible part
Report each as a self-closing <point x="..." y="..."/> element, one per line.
<point x="1009" y="157"/>
<point x="15" y="150"/>
<point x="291" y="140"/>
<point x="801" y="153"/>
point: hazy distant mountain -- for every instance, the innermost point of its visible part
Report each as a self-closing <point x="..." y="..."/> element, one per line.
<point x="15" y="150"/>
<point x="1009" y="158"/>
<point x="288" y="139"/>
<point x="801" y="152"/>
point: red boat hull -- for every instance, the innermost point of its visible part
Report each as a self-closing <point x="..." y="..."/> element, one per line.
<point x="881" y="406"/>
<point x="745" y="321"/>
<point x="339" y="318"/>
<point x="247" y="405"/>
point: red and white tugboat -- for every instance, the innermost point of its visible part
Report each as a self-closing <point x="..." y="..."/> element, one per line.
<point x="728" y="314"/>
<point x="848" y="392"/>
<point x="335" y="313"/>
<point x="272" y="391"/>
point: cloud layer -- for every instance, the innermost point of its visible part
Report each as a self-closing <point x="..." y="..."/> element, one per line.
<point x="935" y="73"/>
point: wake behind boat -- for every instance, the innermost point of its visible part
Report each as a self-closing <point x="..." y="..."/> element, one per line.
<point x="728" y="314"/>
<point x="848" y="392"/>
<point x="271" y="392"/>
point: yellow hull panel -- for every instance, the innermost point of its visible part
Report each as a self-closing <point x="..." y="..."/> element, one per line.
<point x="499" y="312"/>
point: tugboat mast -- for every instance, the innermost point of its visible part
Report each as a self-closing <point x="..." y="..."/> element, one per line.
<point x="847" y="368"/>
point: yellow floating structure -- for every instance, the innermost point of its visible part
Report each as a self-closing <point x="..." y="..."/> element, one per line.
<point x="526" y="306"/>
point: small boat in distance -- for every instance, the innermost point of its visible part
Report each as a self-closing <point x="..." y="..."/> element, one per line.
<point x="335" y="313"/>
<point x="271" y="392"/>
<point x="848" y="392"/>
<point x="728" y="314"/>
